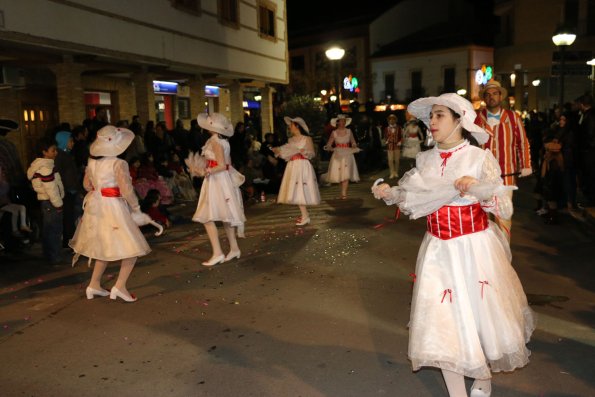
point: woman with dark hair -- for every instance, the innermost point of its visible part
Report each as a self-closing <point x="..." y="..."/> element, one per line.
<point x="299" y="185"/>
<point x="469" y="313"/>
<point x="342" y="167"/>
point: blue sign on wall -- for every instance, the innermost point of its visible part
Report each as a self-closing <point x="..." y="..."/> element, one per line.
<point x="165" y="87"/>
<point x="211" y="90"/>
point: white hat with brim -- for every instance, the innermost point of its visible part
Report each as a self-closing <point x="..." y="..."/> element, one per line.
<point x="111" y="141"/>
<point x="215" y="122"/>
<point x="297" y="120"/>
<point x="341" y="117"/>
<point x="422" y="107"/>
<point x="494" y="84"/>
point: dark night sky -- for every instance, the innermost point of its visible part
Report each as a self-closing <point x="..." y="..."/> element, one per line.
<point x="309" y="13"/>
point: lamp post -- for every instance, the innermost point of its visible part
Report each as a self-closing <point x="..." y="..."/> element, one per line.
<point x="592" y="77"/>
<point x="336" y="53"/>
<point x="562" y="39"/>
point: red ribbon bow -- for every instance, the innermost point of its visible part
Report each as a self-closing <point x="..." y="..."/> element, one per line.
<point x="449" y="292"/>
<point x="413" y="276"/>
<point x="483" y="283"/>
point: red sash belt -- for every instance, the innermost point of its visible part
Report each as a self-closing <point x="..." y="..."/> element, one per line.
<point x="111" y="192"/>
<point x="342" y="145"/>
<point x="214" y="163"/>
<point x="454" y="221"/>
<point x="297" y="157"/>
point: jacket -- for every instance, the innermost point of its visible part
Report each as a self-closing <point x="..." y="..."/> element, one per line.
<point x="46" y="181"/>
<point x="508" y="143"/>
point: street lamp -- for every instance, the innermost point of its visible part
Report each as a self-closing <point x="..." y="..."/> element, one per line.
<point x="336" y="53"/>
<point x="592" y="77"/>
<point x="562" y="39"/>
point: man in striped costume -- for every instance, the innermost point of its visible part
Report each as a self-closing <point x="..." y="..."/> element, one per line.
<point x="508" y="139"/>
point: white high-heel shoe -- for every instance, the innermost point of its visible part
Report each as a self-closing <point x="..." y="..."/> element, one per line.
<point x="214" y="260"/>
<point x="477" y="392"/>
<point x="303" y="221"/>
<point x="116" y="293"/>
<point x="233" y="255"/>
<point x="92" y="292"/>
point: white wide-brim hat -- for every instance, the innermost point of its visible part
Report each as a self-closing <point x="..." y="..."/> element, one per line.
<point x="215" y="122"/>
<point x="297" y="120"/>
<point x="111" y="141"/>
<point x="422" y="107"/>
<point x="341" y="117"/>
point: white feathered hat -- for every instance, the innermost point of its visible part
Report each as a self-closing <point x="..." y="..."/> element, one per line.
<point x="422" y="107"/>
<point x="111" y="141"/>
<point x="341" y="117"/>
<point x="215" y="122"/>
<point x="297" y="120"/>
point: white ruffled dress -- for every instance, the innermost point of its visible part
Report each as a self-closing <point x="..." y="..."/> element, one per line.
<point x="299" y="185"/>
<point x="342" y="165"/>
<point x="220" y="196"/>
<point x="106" y="230"/>
<point x="469" y="313"/>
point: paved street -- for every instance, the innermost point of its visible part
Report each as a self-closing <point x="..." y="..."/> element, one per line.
<point x="318" y="311"/>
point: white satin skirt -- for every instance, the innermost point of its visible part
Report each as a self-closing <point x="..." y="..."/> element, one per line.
<point x="107" y="231"/>
<point x="299" y="185"/>
<point x="221" y="199"/>
<point x="341" y="167"/>
<point x="469" y="313"/>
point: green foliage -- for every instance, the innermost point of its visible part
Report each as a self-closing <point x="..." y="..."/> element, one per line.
<point x="306" y="107"/>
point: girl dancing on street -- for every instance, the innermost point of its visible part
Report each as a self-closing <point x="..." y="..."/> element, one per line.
<point x="220" y="196"/>
<point x="342" y="167"/>
<point x="469" y="314"/>
<point x="299" y="185"/>
<point x="107" y="231"/>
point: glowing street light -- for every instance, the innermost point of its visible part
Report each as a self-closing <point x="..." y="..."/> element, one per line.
<point x="462" y="92"/>
<point x="323" y="92"/>
<point x="562" y="38"/>
<point x="336" y="53"/>
<point x="536" y="83"/>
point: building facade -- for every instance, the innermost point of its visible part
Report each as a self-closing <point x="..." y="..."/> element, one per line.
<point x="419" y="53"/>
<point x="162" y="61"/>
<point x="528" y="62"/>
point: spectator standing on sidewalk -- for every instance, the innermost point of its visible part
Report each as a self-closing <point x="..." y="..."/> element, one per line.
<point x="47" y="183"/>
<point x="508" y="141"/>
<point x="73" y="195"/>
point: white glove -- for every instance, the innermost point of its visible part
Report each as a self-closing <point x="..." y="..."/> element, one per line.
<point x="526" y="172"/>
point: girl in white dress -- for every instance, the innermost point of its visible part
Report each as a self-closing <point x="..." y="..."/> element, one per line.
<point x="342" y="167"/>
<point x="107" y="231"/>
<point x="412" y="138"/>
<point x="299" y="185"/>
<point x="469" y="314"/>
<point x="220" y="196"/>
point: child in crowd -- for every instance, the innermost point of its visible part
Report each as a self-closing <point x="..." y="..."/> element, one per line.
<point x="181" y="179"/>
<point x="17" y="211"/>
<point x="50" y="192"/>
<point x="469" y="313"/>
<point x="148" y="178"/>
<point x="151" y="206"/>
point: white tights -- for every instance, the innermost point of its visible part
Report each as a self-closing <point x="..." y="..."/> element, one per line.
<point x="455" y="383"/>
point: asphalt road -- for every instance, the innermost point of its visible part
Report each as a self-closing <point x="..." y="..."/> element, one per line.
<point x="314" y="311"/>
